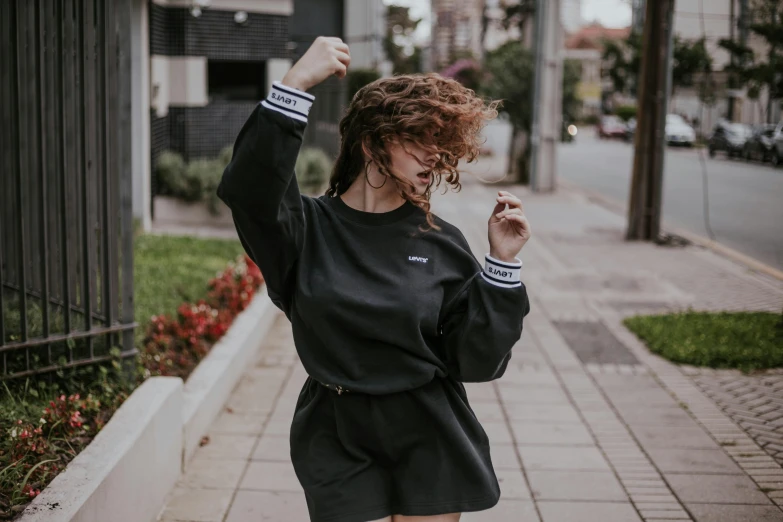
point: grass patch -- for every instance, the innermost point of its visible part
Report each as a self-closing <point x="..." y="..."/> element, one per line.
<point x="169" y="270"/>
<point x="747" y="340"/>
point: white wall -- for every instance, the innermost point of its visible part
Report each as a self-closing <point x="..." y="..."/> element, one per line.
<point x="140" y="114"/>
<point x="178" y="80"/>
<point x="365" y="27"/>
<point x="276" y="69"/>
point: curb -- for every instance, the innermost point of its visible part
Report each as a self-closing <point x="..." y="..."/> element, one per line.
<point x="728" y="252"/>
<point x="127" y="472"/>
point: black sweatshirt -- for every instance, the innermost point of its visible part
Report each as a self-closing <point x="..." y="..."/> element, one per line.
<point x="376" y="305"/>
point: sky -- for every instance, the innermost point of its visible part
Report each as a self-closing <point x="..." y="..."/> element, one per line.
<point x="611" y="13"/>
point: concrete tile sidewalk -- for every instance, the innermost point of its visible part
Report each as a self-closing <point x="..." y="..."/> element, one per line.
<point x="585" y="426"/>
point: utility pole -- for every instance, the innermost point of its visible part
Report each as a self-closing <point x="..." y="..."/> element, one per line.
<point x="732" y="83"/>
<point x="644" y="206"/>
<point x="547" y="97"/>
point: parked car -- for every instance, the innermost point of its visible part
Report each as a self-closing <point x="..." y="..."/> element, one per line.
<point x="760" y="145"/>
<point x="777" y="149"/>
<point x="678" y="132"/>
<point x="610" y="126"/>
<point x="729" y="138"/>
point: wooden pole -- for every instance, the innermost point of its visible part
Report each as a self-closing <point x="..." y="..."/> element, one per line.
<point x="644" y="206"/>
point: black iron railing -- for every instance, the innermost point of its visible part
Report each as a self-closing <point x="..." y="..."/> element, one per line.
<point x="66" y="230"/>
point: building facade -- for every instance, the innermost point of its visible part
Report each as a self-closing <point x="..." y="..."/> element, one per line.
<point x="456" y="31"/>
<point x="586" y="46"/>
<point x="715" y="20"/>
<point x="201" y="66"/>
<point x="571" y="15"/>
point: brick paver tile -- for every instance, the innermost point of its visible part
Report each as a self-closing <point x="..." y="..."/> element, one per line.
<point x="692" y="460"/>
<point x="270" y="476"/>
<point x="481" y="392"/>
<point x="512" y="484"/>
<point x="197" y="505"/>
<point x="562" y="458"/>
<point x="239" y="423"/>
<point x="226" y="446"/>
<point x="588" y="511"/>
<point x="533" y="394"/>
<point x="268" y="506"/>
<point x="551" y="434"/>
<point x="658" y="514"/>
<point x="212" y="474"/>
<point x="504" y="456"/>
<point x="542" y="413"/>
<point x="273" y="447"/>
<point x="734" y="513"/>
<point x="652" y="437"/>
<point x="729" y="489"/>
<point x="576" y="485"/>
<point x="497" y="432"/>
<point x="504" y="511"/>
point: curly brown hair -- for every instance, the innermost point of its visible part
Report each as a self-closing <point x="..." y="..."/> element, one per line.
<point x="437" y="113"/>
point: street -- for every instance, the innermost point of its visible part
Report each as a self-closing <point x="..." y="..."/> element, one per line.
<point x="745" y="199"/>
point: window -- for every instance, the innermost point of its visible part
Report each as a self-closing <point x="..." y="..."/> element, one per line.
<point x="236" y="81"/>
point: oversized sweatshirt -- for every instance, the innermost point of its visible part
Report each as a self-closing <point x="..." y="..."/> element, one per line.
<point x="376" y="304"/>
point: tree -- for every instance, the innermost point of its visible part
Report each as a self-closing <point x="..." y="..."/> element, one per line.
<point x="690" y="59"/>
<point x="624" y="62"/>
<point x="517" y="15"/>
<point x="510" y="79"/>
<point x="752" y="72"/>
<point x="398" y="43"/>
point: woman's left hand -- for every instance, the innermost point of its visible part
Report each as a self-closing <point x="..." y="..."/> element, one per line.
<point x="509" y="229"/>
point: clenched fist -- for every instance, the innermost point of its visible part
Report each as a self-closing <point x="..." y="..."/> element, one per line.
<point x="509" y="229"/>
<point x="327" y="56"/>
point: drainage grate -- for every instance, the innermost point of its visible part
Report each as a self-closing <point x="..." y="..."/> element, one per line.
<point x="594" y="343"/>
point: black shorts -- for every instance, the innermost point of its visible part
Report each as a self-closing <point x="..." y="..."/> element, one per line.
<point x="364" y="457"/>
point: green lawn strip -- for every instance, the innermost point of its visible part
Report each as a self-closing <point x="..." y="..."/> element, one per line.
<point x="169" y="270"/>
<point x="744" y="340"/>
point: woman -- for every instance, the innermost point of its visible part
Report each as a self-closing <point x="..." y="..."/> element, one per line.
<point x="389" y="308"/>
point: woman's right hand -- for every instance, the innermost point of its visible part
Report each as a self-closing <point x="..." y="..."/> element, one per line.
<point x="327" y="56"/>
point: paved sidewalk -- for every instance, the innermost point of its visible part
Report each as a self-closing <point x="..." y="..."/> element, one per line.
<point x="586" y="425"/>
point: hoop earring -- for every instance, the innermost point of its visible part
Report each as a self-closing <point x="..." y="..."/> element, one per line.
<point x="367" y="178"/>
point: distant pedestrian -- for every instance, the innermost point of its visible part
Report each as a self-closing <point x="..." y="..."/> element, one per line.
<point x="390" y="310"/>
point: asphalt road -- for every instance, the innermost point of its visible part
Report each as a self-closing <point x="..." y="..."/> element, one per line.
<point x="745" y="199"/>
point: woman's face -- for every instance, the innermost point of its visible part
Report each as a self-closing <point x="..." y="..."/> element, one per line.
<point x="413" y="163"/>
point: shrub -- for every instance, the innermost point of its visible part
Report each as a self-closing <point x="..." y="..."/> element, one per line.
<point x="312" y="170"/>
<point x="626" y="112"/>
<point x="170" y="169"/>
<point x="196" y="181"/>
<point x="204" y="177"/>
<point x="225" y="155"/>
<point x="592" y="119"/>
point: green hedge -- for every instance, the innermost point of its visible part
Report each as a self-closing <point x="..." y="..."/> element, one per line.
<point x="194" y="181"/>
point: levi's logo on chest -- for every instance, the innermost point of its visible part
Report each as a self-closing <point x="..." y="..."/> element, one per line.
<point x="417" y="259"/>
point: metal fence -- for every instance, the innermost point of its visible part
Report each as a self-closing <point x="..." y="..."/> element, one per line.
<point x="66" y="230"/>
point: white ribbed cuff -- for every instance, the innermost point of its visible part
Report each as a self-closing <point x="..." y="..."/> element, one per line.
<point x="289" y="101"/>
<point x="501" y="273"/>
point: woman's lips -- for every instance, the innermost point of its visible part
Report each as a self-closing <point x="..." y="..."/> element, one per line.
<point x="424" y="177"/>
